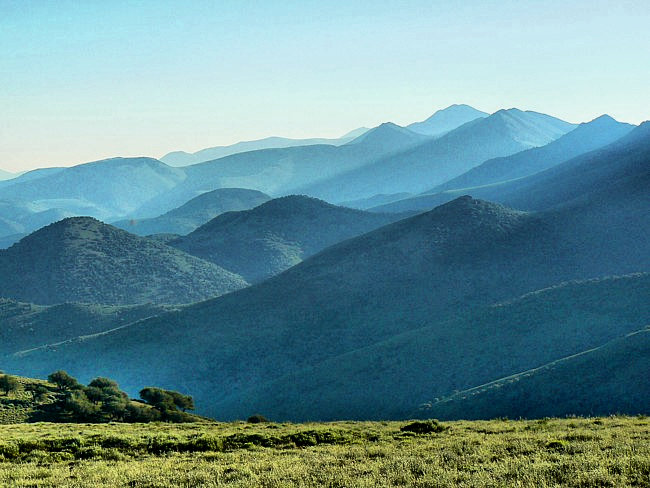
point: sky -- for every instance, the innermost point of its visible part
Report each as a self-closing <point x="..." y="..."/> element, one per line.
<point x="87" y="80"/>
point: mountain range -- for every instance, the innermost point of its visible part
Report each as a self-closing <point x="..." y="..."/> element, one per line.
<point x="424" y="271"/>
<point x="182" y="158"/>
<point x="438" y="160"/>
<point x="502" y="271"/>
<point x="623" y="162"/>
<point x="26" y="326"/>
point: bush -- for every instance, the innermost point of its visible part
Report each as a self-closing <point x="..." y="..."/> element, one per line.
<point x="424" y="427"/>
<point x="8" y="383"/>
<point x="257" y="419"/>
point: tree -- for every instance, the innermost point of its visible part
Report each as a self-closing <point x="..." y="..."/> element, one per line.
<point x="102" y="383"/>
<point x="168" y="402"/>
<point x="184" y="402"/>
<point x="8" y="383"/>
<point x="63" y="380"/>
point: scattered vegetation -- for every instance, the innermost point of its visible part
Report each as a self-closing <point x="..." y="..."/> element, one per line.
<point x="63" y="399"/>
<point x="572" y="452"/>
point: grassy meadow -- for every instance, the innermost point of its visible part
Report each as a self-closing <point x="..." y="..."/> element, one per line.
<point x="574" y="452"/>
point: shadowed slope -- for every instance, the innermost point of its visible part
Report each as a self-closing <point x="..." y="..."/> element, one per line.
<point x="600" y="381"/>
<point x="389" y="378"/>
<point x="26" y="326"/>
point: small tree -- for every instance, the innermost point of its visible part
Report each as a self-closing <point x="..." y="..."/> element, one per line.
<point x="63" y="380"/>
<point x="8" y="383"/>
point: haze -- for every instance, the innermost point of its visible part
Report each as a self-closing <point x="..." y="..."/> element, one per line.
<point x="86" y="80"/>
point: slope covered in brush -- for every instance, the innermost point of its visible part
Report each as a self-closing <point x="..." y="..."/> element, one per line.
<point x="81" y="259"/>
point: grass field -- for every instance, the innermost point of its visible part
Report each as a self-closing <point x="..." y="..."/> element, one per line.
<point x="575" y="452"/>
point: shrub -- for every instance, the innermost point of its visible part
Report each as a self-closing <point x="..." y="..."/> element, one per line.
<point x="8" y="383"/>
<point x="424" y="427"/>
<point x="257" y="419"/>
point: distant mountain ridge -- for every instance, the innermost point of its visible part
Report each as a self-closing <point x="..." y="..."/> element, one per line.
<point x="101" y="189"/>
<point x="621" y="166"/>
<point x="436" y="161"/>
<point x="81" y="259"/>
<point x="196" y="212"/>
<point x="182" y="158"/>
<point x="584" y="138"/>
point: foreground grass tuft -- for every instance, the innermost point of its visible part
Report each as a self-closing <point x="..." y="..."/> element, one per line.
<point x="576" y="452"/>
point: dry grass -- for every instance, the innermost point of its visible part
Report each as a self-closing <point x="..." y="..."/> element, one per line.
<point x="612" y="451"/>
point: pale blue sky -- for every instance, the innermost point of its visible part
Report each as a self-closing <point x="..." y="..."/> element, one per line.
<point x="84" y="80"/>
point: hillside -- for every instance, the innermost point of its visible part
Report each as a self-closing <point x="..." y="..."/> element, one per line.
<point x="26" y="326"/>
<point x="266" y="240"/>
<point x="81" y="259"/>
<point x="390" y="378"/>
<point x="436" y="161"/>
<point x="418" y="272"/>
<point x="182" y="158"/>
<point x="196" y="212"/>
<point x="22" y="406"/>
<point x="590" y="382"/>
<point x="585" y="138"/>
<point x="620" y="168"/>
<point x="446" y="120"/>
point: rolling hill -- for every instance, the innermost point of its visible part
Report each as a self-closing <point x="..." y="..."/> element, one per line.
<point x="81" y="259"/>
<point x="446" y="120"/>
<point x="182" y="158"/>
<point x="196" y="212"/>
<point x="594" y="382"/>
<point x="424" y="271"/>
<point x="436" y="161"/>
<point x="268" y="239"/>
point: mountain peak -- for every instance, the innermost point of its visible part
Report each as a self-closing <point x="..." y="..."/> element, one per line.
<point x="447" y="119"/>
<point x="388" y="134"/>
